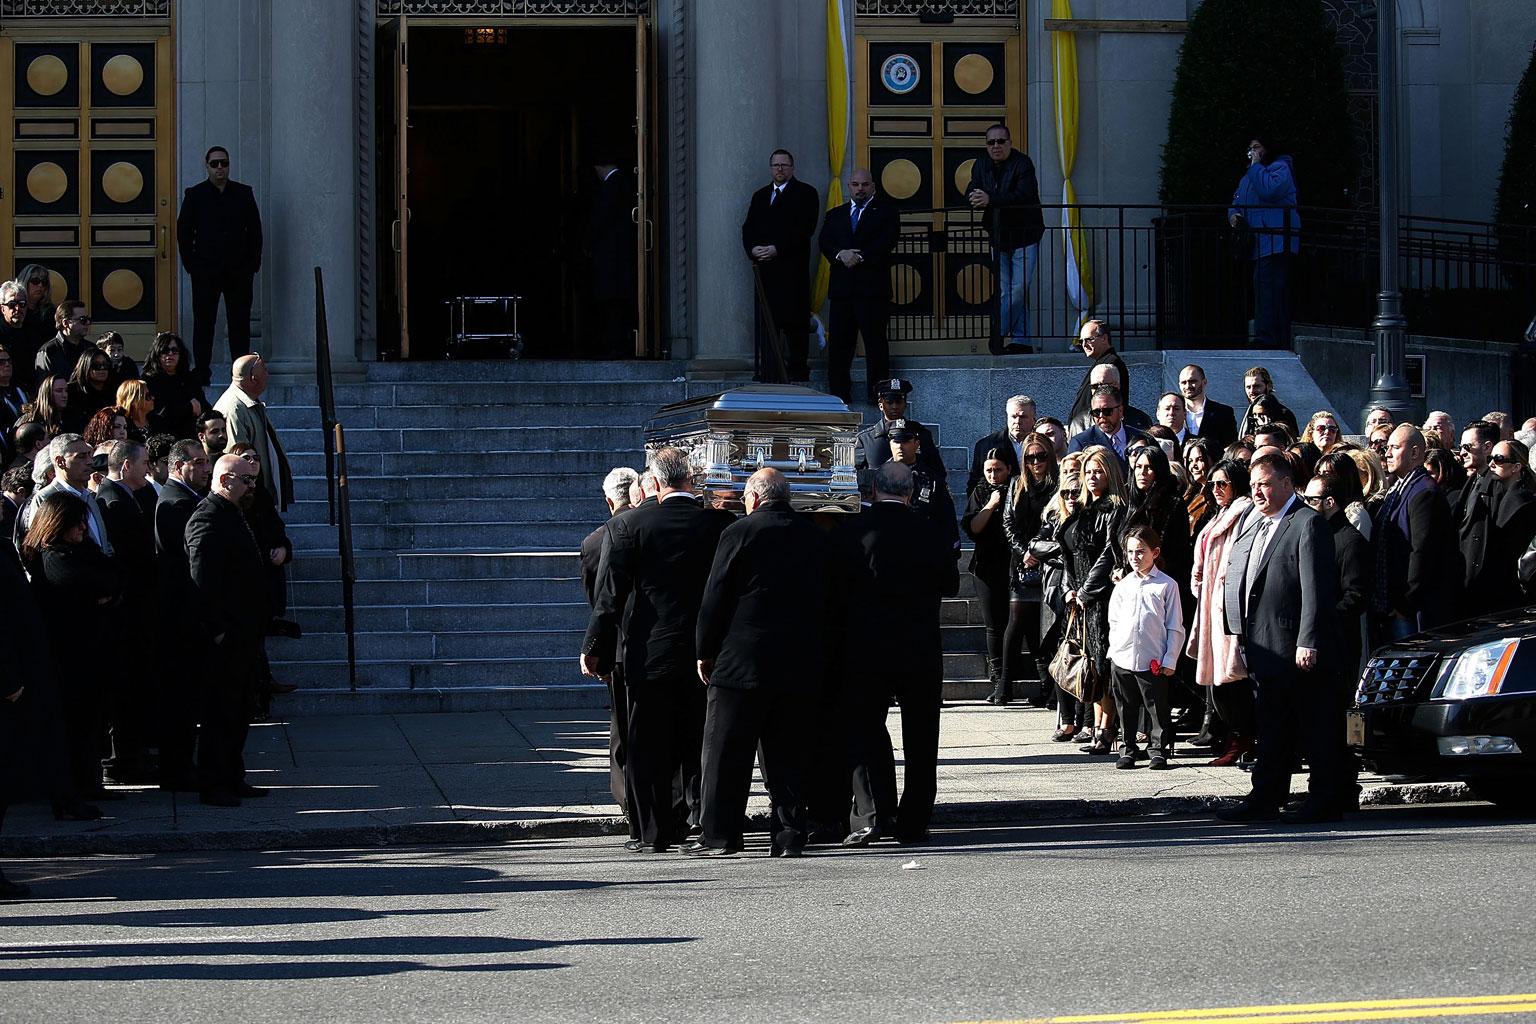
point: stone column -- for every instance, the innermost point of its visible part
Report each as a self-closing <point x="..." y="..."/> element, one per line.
<point x="311" y="207"/>
<point x="735" y="54"/>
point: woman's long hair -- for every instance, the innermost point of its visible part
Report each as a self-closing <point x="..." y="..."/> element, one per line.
<point x="134" y="399"/>
<point x="1105" y="457"/>
<point x="56" y="514"/>
<point x="79" y="378"/>
<point x="164" y="341"/>
<point x="1069" y="474"/>
<point x="1034" y="442"/>
<point x="98" y="430"/>
<point x="1164" y="490"/>
<point x="42" y="410"/>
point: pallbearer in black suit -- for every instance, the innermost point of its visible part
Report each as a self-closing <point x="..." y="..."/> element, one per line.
<point x="762" y="637"/>
<point x="134" y="702"/>
<point x="649" y="584"/>
<point x="857" y="241"/>
<point x="777" y="237"/>
<point x="1281" y="599"/>
<point x="904" y="570"/>
<point x="229" y="588"/>
<point x="616" y="486"/>
<point x="183" y="648"/>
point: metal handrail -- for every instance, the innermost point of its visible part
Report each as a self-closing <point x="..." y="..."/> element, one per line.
<point x="338" y="498"/>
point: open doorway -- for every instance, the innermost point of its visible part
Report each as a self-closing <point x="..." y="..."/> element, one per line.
<point x="504" y="125"/>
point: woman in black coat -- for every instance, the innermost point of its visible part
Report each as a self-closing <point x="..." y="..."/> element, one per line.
<point x="1500" y="525"/>
<point x="1032" y="494"/>
<point x="179" y="401"/>
<point x="76" y="587"/>
<point x="983" y="523"/>
<point x="1089" y="540"/>
<point x="92" y="387"/>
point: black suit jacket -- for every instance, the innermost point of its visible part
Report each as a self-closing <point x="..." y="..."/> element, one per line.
<point x="787" y="224"/>
<point x="875" y="238"/>
<point x="903" y="568"/>
<point x="1353" y="556"/>
<point x="229" y="574"/>
<point x="610" y="238"/>
<point x="131" y="533"/>
<point x="768" y="605"/>
<point x="1218" y="425"/>
<point x="172" y="513"/>
<point x="591" y="561"/>
<point x="650" y="580"/>
<point x="1294" y="599"/>
<point x="219" y="233"/>
<point x="1004" y="445"/>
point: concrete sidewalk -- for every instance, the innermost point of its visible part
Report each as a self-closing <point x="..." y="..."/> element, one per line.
<point x="372" y="780"/>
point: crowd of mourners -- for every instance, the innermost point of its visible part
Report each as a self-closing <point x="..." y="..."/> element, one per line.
<point x="142" y="562"/>
<point x="1204" y="573"/>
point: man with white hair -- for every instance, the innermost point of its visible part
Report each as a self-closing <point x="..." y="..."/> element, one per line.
<point x="617" y="487"/>
<point x="1008" y="441"/>
<point x="1109" y="375"/>
<point x="15" y="336"/>
<point x="71" y="457"/>
<point x="1441" y="421"/>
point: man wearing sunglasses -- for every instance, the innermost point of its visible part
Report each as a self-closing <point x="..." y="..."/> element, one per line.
<point x="15" y="335"/>
<point x="219" y="233"/>
<point x="1109" y="427"/>
<point x="1004" y="189"/>
<point x="1477" y="441"/>
<point x="59" y="356"/>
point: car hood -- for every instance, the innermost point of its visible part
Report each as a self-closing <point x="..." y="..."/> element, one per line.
<point x="1453" y="636"/>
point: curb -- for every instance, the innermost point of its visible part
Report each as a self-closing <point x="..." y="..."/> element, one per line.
<point x="468" y="833"/>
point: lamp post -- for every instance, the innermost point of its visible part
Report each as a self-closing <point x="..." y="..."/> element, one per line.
<point x="1390" y="328"/>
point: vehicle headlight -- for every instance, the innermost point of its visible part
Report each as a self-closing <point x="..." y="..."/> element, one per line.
<point x="1479" y="671"/>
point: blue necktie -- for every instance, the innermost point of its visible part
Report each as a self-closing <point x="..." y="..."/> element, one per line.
<point x="858" y="210"/>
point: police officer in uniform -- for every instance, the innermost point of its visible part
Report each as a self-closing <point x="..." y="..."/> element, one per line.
<point x="874" y="449"/>
<point x="930" y="493"/>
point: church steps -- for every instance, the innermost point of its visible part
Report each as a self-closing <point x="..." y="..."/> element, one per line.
<point x="463" y="535"/>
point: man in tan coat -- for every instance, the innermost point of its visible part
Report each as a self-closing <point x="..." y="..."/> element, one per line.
<point x="247" y="421"/>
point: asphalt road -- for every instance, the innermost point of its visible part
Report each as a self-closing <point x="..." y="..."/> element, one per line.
<point x="1114" y="920"/>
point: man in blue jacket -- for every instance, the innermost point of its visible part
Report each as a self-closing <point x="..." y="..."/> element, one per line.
<point x="1265" y="202"/>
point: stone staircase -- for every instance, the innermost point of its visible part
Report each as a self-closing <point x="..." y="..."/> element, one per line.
<point x="472" y="486"/>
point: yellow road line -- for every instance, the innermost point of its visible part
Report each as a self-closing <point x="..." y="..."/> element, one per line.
<point x="1309" y="1013"/>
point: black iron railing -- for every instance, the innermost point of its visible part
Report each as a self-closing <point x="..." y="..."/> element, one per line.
<point x="1182" y="275"/>
<point x="338" y="495"/>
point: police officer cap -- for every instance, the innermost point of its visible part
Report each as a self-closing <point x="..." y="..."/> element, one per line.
<point x="903" y="430"/>
<point x="893" y="387"/>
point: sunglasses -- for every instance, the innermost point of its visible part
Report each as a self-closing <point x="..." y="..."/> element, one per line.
<point x="1325" y="428"/>
<point x="16" y="304"/>
<point x="79" y="319"/>
<point x="1221" y="483"/>
<point x="1037" y="458"/>
<point x="218" y="163"/>
<point x="1107" y="410"/>
<point x="997" y="142"/>
<point x="1503" y="460"/>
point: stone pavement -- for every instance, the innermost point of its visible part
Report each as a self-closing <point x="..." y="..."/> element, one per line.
<point x="371" y="780"/>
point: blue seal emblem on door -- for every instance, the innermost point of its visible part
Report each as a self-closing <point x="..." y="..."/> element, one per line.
<point x="899" y="74"/>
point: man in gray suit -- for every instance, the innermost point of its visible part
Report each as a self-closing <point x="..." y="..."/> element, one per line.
<point x="71" y="456"/>
<point x="1279" y="597"/>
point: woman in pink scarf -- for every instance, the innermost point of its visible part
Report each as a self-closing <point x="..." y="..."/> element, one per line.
<point x="1218" y="662"/>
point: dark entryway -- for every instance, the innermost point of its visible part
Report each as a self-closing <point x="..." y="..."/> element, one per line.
<point x="502" y="130"/>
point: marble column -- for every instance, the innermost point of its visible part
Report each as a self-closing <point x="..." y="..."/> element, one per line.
<point x="734" y="49"/>
<point x="311" y="207"/>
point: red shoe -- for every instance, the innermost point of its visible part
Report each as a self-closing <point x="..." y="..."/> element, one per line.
<point x="1237" y="746"/>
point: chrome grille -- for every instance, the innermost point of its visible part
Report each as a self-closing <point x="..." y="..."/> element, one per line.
<point x="1393" y="677"/>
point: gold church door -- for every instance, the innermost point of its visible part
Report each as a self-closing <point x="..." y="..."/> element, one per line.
<point x="87" y="188"/>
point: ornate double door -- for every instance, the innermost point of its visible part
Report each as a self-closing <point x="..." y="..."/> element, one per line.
<point x="87" y="187"/>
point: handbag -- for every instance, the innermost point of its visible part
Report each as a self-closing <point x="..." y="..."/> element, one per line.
<point x="1071" y="667"/>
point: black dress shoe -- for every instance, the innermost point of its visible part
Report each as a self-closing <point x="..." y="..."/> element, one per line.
<point x="1310" y="813"/>
<point x="786" y="851"/>
<point x="915" y="837"/>
<point x="1246" y="813"/>
<point x="247" y="792"/>
<point x="219" y="798"/>
<point x="863" y="837"/>
<point x="699" y="848"/>
<point x="633" y="845"/>
<point x="10" y="890"/>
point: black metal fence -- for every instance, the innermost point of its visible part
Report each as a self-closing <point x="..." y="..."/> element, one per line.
<point x="1182" y="276"/>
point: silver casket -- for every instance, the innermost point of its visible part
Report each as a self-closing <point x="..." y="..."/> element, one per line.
<point x="804" y="434"/>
